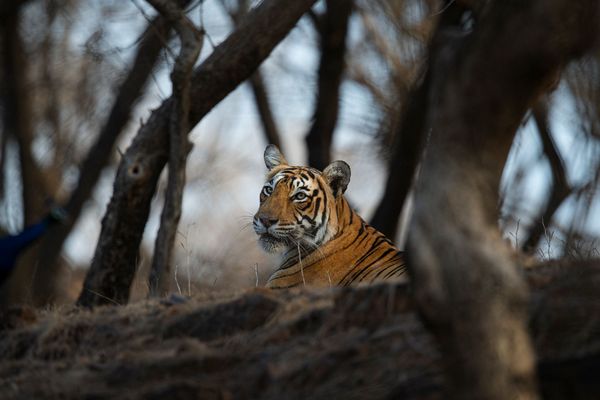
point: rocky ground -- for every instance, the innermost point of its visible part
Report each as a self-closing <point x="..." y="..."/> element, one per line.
<point x="343" y="343"/>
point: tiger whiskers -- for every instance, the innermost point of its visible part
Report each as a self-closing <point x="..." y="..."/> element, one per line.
<point x="301" y="266"/>
<point x="248" y="219"/>
<point x="246" y="226"/>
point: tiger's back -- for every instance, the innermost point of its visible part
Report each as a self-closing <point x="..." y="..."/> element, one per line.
<point x="325" y="243"/>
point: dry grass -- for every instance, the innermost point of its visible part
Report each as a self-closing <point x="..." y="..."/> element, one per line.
<point x="350" y="343"/>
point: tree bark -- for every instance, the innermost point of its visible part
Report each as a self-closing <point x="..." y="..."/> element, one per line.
<point x="233" y="61"/>
<point x="179" y="145"/>
<point x="466" y="283"/>
<point x="333" y="28"/>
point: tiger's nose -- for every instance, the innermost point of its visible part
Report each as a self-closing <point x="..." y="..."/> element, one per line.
<point x="267" y="222"/>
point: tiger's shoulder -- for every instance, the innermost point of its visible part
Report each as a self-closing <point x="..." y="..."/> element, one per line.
<point x="356" y="254"/>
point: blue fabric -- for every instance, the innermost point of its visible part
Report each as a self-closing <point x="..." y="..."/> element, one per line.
<point x="12" y="245"/>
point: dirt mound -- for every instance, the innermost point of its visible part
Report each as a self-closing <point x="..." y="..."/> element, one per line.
<point x="347" y="343"/>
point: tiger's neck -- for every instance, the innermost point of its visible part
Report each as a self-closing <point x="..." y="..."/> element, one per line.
<point x="340" y="216"/>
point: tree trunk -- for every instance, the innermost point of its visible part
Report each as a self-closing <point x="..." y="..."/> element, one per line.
<point x="412" y="131"/>
<point x="560" y="188"/>
<point x="333" y="27"/>
<point x="233" y="61"/>
<point x="179" y="145"/>
<point x="257" y="83"/>
<point x="466" y="282"/>
<point x="261" y="98"/>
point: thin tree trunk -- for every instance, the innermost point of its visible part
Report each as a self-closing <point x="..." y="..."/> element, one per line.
<point x="233" y="61"/>
<point x="412" y="130"/>
<point x="179" y="145"/>
<point x="257" y="83"/>
<point x="465" y="279"/>
<point x="261" y="98"/>
<point x="333" y="28"/>
<point x="560" y="188"/>
<point x="405" y="156"/>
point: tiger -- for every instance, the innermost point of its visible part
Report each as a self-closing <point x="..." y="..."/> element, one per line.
<point x="304" y="215"/>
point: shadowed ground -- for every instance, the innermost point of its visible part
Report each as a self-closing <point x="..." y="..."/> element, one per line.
<point x="338" y="343"/>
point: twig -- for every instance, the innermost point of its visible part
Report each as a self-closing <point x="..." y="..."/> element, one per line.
<point x="176" y="280"/>
<point x="516" y="234"/>
<point x="446" y="6"/>
<point x="301" y="266"/>
<point x="256" y="274"/>
<point x="103" y="296"/>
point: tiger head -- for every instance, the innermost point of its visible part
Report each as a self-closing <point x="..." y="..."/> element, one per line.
<point x="298" y="204"/>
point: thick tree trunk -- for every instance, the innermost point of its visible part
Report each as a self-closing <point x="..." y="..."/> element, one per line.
<point x="467" y="286"/>
<point x="333" y="27"/>
<point x="233" y="61"/>
<point x="179" y="145"/>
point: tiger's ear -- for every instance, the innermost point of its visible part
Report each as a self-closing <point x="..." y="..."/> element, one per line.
<point x="273" y="157"/>
<point x="337" y="174"/>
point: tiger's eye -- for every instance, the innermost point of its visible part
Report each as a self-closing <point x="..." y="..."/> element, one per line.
<point x="300" y="196"/>
<point x="267" y="190"/>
